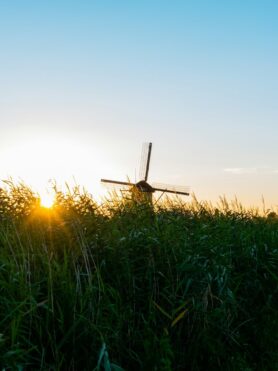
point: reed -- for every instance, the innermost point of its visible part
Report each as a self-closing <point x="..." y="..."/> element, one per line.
<point x="123" y="285"/>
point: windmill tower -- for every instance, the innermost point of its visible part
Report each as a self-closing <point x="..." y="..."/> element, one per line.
<point x="142" y="190"/>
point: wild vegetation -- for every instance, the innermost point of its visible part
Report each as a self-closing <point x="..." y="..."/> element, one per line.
<point x="123" y="285"/>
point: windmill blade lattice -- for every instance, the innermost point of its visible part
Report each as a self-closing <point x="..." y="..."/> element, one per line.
<point x="145" y="161"/>
<point x="117" y="186"/>
<point x="109" y="182"/>
<point x="177" y="189"/>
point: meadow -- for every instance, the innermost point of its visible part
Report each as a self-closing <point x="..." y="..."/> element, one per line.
<point x="125" y="286"/>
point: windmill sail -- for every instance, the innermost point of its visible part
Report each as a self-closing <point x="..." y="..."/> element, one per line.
<point x="145" y="161"/>
<point x="180" y="190"/>
<point x="117" y="182"/>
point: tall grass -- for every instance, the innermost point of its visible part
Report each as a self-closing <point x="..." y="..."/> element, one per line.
<point x="123" y="285"/>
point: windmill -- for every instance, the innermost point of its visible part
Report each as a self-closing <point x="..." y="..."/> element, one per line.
<point x="143" y="188"/>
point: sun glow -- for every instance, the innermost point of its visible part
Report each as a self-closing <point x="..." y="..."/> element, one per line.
<point x="47" y="200"/>
<point x="41" y="160"/>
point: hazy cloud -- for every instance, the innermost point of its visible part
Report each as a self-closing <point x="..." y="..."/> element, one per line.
<point x="250" y="170"/>
<point x="241" y="170"/>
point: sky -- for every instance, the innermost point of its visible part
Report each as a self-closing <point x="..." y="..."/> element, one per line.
<point x="84" y="83"/>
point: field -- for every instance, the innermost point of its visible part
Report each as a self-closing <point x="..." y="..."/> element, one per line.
<point x="122" y="285"/>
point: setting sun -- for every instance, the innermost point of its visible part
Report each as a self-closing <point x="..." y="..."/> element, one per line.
<point x="47" y="200"/>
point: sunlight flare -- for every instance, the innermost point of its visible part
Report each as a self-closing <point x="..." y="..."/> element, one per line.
<point x="47" y="200"/>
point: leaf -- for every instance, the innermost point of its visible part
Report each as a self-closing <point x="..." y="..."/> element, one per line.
<point x="102" y="355"/>
<point x="162" y="310"/>
<point x="182" y="306"/>
<point x="179" y="317"/>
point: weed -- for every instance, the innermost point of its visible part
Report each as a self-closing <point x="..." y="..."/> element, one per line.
<point x="173" y="286"/>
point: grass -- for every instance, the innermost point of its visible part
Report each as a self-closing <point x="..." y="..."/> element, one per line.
<point x="122" y="285"/>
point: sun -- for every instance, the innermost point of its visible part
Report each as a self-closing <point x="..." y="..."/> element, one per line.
<point x="47" y="200"/>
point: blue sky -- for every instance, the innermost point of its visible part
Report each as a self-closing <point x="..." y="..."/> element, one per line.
<point x="84" y="83"/>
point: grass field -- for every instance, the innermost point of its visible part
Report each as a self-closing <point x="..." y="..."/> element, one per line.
<point x="181" y="286"/>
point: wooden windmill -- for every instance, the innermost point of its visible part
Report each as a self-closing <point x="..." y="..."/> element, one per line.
<point x="143" y="188"/>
